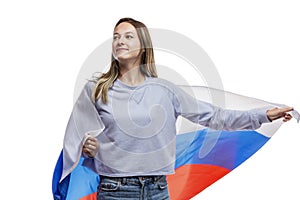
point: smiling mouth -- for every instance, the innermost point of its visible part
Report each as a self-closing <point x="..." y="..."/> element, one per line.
<point x="121" y="49"/>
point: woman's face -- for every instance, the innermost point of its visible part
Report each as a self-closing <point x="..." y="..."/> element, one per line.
<point x="126" y="44"/>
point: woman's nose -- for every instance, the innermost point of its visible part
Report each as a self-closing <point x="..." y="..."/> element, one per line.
<point x="121" y="41"/>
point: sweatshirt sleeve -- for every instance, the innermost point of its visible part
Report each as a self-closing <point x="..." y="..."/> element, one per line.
<point x="215" y="117"/>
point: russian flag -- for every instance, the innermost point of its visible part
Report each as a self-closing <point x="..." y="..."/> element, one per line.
<point x="203" y="155"/>
<point x="193" y="172"/>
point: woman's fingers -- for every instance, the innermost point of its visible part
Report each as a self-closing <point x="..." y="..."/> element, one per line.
<point x="287" y="117"/>
<point x="277" y="113"/>
<point x="91" y="142"/>
<point x="91" y="146"/>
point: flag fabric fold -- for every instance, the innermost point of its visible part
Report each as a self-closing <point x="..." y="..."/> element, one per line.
<point x="203" y="155"/>
<point x="84" y="122"/>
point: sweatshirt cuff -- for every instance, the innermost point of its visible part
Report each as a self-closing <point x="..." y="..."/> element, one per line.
<point x="262" y="115"/>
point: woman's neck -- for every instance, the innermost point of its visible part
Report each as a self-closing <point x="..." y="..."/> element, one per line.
<point x="131" y="75"/>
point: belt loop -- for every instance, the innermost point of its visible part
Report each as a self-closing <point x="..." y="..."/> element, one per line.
<point x="157" y="178"/>
<point x="124" y="180"/>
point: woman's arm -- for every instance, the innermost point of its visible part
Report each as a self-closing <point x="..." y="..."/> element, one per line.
<point x="215" y="117"/>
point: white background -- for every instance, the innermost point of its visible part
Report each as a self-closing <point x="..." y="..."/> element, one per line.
<point x="255" y="46"/>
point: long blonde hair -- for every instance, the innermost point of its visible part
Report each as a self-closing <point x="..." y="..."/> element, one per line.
<point x="147" y="65"/>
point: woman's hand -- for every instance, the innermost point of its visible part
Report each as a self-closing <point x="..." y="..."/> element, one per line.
<point x="91" y="147"/>
<point x="277" y="113"/>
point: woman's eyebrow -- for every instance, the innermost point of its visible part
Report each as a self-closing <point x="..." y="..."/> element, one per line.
<point x="116" y="33"/>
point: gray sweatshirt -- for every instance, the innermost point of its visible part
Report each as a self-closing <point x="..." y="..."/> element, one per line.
<point x="139" y="137"/>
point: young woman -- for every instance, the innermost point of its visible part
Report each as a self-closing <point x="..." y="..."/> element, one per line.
<point x="136" y="149"/>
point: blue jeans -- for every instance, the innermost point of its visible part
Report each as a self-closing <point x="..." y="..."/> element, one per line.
<point x="133" y="188"/>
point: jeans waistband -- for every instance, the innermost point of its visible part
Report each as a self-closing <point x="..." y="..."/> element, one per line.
<point x="134" y="179"/>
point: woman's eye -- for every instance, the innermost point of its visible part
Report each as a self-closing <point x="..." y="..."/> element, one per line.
<point x="129" y="36"/>
<point x="115" y="37"/>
